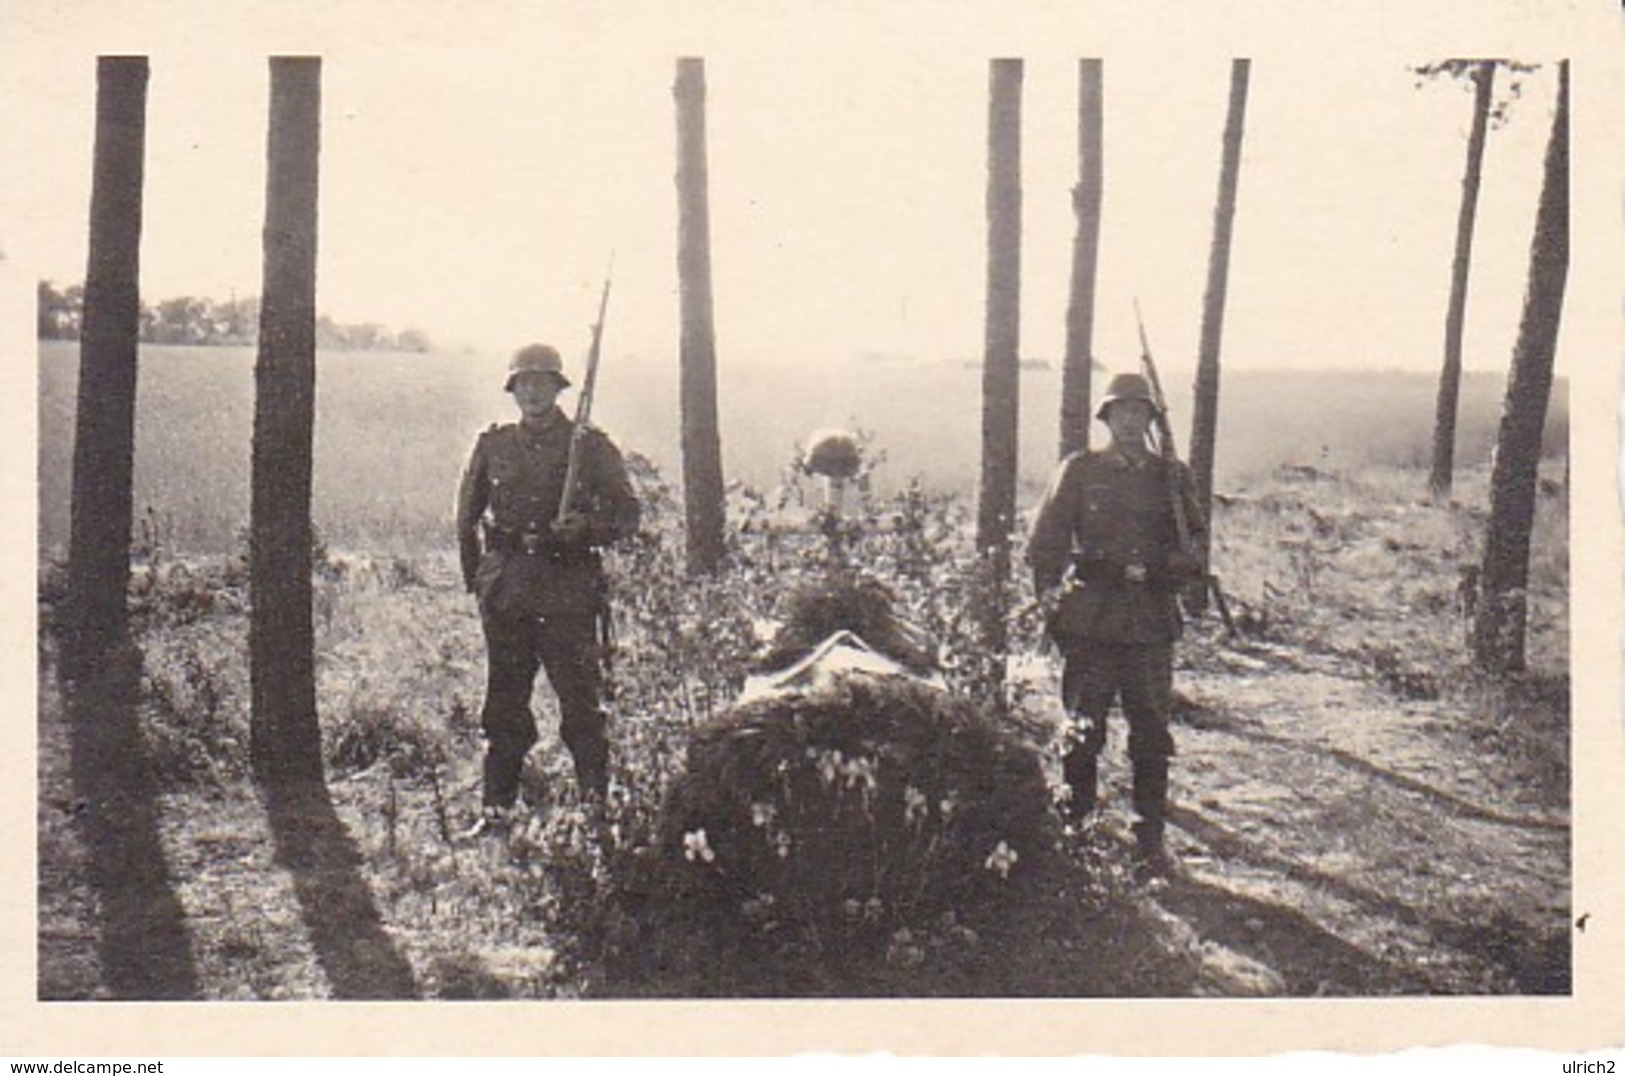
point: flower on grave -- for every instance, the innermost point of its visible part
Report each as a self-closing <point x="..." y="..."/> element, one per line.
<point x="915" y="806"/>
<point x="1001" y="859"/>
<point x="860" y="772"/>
<point x="829" y="766"/>
<point x="697" y="848"/>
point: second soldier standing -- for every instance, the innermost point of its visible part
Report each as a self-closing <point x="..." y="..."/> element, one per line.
<point x="1105" y="553"/>
<point x="539" y="577"/>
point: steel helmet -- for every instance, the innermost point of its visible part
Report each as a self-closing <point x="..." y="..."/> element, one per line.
<point x="536" y="359"/>
<point x="1125" y="387"/>
<point x="833" y="454"/>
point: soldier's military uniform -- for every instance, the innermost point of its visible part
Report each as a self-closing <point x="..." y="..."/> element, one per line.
<point x="542" y="594"/>
<point x="1104" y="546"/>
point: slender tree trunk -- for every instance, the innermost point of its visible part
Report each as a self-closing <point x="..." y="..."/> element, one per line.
<point x="104" y="434"/>
<point x="702" y="439"/>
<point x="1001" y="364"/>
<point x="285" y="736"/>
<point x="1205" y="416"/>
<point x="1205" y="412"/>
<point x="1500" y="624"/>
<point x="1080" y="312"/>
<point x="1444" y="418"/>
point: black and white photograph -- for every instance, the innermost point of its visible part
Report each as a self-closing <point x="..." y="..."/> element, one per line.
<point x="1059" y="515"/>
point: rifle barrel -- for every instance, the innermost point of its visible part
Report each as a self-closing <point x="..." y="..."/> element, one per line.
<point x="1165" y="436"/>
<point x="589" y="382"/>
<point x="584" y="405"/>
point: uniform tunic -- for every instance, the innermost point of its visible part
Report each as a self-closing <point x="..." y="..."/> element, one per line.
<point x="514" y="481"/>
<point x="540" y="599"/>
<point x="1103" y="512"/>
<point x="1106" y="516"/>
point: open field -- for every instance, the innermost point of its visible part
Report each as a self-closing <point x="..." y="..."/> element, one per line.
<point x="1357" y="812"/>
<point x="393" y="430"/>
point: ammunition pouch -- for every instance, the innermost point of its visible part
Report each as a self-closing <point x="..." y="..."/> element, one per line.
<point x="1173" y="572"/>
<point x="1096" y="570"/>
<point x="536" y="542"/>
<point x="523" y="573"/>
<point x="1099" y="571"/>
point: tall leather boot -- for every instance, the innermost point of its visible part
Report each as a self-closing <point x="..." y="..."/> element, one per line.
<point x="1080" y="768"/>
<point x="582" y="728"/>
<point x="1151" y="806"/>
<point x="503" y="763"/>
<point x="589" y="750"/>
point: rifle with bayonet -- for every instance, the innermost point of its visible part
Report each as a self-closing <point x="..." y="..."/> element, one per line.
<point x="572" y="468"/>
<point x="1163" y="435"/>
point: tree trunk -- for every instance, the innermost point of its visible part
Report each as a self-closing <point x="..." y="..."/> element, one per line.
<point x="104" y="435"/>
<point x="1205" y="415"/>
<point x="702" y="439"/>
<point x="1001" y="365"/>
<point x="1500" y="623"/>
<point x="1205" y="410"/>
<point x="1080" y="312"/>
<point x="284" y="733"/>
<point x="1444" y="417"/>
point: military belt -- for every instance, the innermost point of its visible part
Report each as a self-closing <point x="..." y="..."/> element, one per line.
<point x="1099" y="570"/>
<point x="535" y="543"/>
<point x="508" y="540"/>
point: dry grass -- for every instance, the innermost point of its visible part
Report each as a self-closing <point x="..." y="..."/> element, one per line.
<point x="393" y="430"/>
<point x="1350" y="572"/>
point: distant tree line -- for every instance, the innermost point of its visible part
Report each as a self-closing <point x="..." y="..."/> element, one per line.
<point x="200" y="321"/>
<point x="284" y="731"/>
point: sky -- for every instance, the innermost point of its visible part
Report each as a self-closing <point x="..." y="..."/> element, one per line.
<point x="482" y="164"/>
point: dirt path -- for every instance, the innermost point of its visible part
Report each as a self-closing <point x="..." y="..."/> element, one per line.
<point x="1354" y="843"/>
<point x="1334" y="840"/>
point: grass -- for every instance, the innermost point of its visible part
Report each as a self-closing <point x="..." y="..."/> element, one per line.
<point x="1351" y="567"/>
<point x="1363" y="567"/>
<point x="393" y="431"/>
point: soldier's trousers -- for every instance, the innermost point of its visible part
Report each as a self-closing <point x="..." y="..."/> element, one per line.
<point x="1095" y="675"/>
<point x="516" y="648"/>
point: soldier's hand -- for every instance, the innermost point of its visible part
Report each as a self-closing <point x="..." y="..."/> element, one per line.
<point x="571" y="529"/>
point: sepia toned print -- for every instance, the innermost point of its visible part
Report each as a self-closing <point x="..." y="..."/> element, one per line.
<point x="914" y="629"/>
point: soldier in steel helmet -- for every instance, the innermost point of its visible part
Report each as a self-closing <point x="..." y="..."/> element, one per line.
<point x="539" y="577"/>
<point x="1107" y="559"/>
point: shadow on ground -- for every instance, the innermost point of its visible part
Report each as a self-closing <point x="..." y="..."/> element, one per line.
<point x="145" y="949"/>
<point x="1218" y="720"/>
<point x="1310" y="960"/>
<point x="1538" y="961"/>
<point x="346" y="930"/>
